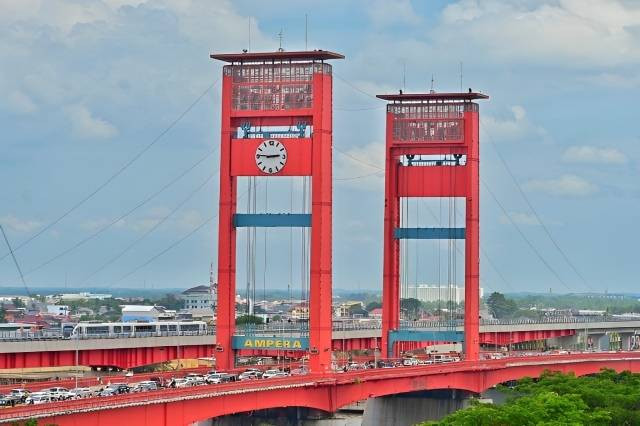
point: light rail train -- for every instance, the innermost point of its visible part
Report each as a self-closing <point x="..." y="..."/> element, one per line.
<point x="138" y="329"/>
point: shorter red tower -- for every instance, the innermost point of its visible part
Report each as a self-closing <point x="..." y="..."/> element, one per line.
<point x="432" y="150"/>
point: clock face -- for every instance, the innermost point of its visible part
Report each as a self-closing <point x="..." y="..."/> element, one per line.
<point x="271" y="156"/>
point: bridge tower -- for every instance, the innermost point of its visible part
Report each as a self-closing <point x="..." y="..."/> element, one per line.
<point x="432" y="150"/>
<point x="277" y="121"/>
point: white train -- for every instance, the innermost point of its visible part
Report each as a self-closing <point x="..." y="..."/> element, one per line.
<point x="138" y="329"/>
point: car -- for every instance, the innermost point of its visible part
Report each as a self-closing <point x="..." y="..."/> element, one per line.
<point x="196" y="379"/>
<point x="39" y="398"/>
<point x="9" y="400"/>
<point x="145" y="386"/>
<point x="269" y="374"/>
<point x="180" y="383"/>
<point x="409" y="362"/>
<point x="250" y="374"/>
<point x="159" y="381"/>
<point x="78" y="393"/>
<point x="58" y="393"/>
<point x="215" y="378"/>
<point x="21" y="393"/>
<point x="115" y="389"/>
<point x="122" y="387"/>
<point x="108" y="391"/>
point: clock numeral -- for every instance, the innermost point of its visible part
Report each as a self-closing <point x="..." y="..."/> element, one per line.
<point x="284" y="157"/>
<point x="272" y="143"/>
<point x="270" y="170"/>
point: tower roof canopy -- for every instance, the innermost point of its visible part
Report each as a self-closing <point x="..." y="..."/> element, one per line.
<point x="278" y="56"/>
<point x="435" y="96"/>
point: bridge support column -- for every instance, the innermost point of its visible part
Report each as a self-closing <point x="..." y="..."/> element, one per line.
<point x="409" y="409"/>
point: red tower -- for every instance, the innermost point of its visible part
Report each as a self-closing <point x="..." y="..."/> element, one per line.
<point x="432" y="150"/>
<point x="262" y="94"/>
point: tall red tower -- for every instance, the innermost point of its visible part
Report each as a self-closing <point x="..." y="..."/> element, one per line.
<point x="432" y="150"/>
<point x="263" y="95"/>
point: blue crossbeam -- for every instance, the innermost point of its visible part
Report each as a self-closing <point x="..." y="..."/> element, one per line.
<point x="423" y="336"/>
<point x="429" y="233"/>
<point x="272" y="220"/>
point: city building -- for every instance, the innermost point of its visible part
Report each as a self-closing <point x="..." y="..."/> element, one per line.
<point x="198" y="301"/>
<point x="80" y="296"/>
<point x="435" y="293"/>
<point x="348" y="309"/>
<point x="62" y="310"/>
<point x="141" y="313"/>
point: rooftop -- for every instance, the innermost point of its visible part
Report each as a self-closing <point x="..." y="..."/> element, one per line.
<point x="299" y="56"/>
<point x="198" y="289"/>
<point x="434" y="96"/>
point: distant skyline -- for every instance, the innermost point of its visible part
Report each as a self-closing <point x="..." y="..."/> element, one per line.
<point x="87" y="85"/>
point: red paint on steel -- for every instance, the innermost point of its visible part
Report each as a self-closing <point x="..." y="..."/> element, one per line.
<point x="431" y="124"/>
<point x="277" y="89"/>
<point x="326" y="392"/>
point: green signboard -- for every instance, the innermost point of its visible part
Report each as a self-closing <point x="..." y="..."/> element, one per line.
<point x="271" y="343"/>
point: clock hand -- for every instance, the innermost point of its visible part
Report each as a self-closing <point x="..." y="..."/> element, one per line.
<point x="269" y="155"/>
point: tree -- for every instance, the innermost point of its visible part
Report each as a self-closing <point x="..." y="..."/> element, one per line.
<point x="500" y="306"/>
<point x="248" y="319"/>
<point x="411" y="306"/>
<point x="18" y="303"/>
<point x="2" y="314"/>
<point x="373" y="305"/>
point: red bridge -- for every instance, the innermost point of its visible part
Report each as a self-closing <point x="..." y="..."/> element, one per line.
<point x="326" y="392"/>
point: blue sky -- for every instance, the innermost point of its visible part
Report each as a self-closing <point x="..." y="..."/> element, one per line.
<point x="85" y="85"/>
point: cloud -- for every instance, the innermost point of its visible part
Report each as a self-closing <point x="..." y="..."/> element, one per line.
<point x="593" y="155"/>
<point x="392" y="12"/>
<point x="565" y="185"/>
<point x="517" y="127"/>
<point x="85" y="126"/>
<point x="21" y="103"/>
<point x="573" y="33"/>
<point x="20" y="225"/>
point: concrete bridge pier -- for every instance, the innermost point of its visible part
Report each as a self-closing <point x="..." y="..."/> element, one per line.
<point x="411" y="408"/>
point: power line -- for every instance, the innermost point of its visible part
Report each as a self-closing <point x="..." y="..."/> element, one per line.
<point x="121" y="217"/>
<point x="535" y="213"/>
<point x="359" y="177"/>
<point x="117" y="173"/>
<point x="149" y="231"/>
<point x="354" y="87"/>
<point x="346" y="154"/>
<point x="6" y="240"/>
<point x="524" y="237"/>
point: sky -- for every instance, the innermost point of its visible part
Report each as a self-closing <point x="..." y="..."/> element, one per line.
<point x="110" y="117"/>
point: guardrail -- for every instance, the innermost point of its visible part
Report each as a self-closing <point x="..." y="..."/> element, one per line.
<point x="304" y="330"/>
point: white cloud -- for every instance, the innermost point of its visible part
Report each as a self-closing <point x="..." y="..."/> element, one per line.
<point x="593" y="155"/>
<point x="571" y="32"/>
<point x="20" y="225"/>
<point x="392" y="12"/>
<point x="565" y="185"/>
<point x="21" y="103"/>
<point x="85" y="126"/>
<point x="517" y="127"/>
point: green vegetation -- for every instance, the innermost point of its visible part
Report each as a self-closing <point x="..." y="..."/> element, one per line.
<point x="248" y="319"/>
<point x="606" y="398"/>
<point x="598" y="302"/>
<point x="373" y="305"/>
<point x="18" y="303"/>
<point x="501" y="307"/>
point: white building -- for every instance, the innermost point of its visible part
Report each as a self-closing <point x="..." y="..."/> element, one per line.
<point x="141" y="313"/>
<point x="435" y="293"/>
<point x="81" y="296"/>
<point x="62" y="310"/>
<point x="198" y="301"/>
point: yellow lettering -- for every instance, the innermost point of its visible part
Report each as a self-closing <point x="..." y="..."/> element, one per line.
<point x="297" y="344"/>
<point x="259" y="343"/>
<point x="278" y="343"/>
<point x="269" y="343"/>
<point x="286" y="344"/>
<point x="247" y="343"/>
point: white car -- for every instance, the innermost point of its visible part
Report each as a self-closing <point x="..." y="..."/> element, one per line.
<point x="80" y="393"/>
<point x="20" y="393"/>
<point x="59" y="393"/>
<point x="39" y="398"/>
<point x="182" y="383"/>
<point x="195" y="379"/>
<point x="409" y="362"/>
<point x="274" y="373"/>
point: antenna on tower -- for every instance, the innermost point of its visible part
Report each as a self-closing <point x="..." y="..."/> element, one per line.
<point x="306" y="32"/>
<point x="280" y="36"/>
<point x="432" y="90"/>
<point x="213" y="286"/>
<point x="460" y="76"/>
<point x="249" y="34"/>
<point x="404" y="75"/>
